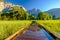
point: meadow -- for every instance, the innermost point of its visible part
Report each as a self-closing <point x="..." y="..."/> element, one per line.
<point x="52" y="25"/>
<point x="8" y="28"/>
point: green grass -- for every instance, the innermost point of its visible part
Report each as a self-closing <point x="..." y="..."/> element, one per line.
<point x="7" y="28"/>
<point x="52" y="25"/>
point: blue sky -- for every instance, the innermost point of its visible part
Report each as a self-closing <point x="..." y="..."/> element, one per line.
<point x="43" y="5"/>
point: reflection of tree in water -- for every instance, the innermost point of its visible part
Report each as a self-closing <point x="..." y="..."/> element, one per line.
<point x="33" y="33"/>
<point x="34" y="27"/>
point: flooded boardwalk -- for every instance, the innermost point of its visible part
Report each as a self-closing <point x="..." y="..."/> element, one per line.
<point x="35" y="33"/>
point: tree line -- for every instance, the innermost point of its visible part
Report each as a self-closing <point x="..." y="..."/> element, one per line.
<point x="15" y="15"/>
<point x="19" y="14"/>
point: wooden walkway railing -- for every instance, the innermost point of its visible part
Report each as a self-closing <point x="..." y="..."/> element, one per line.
<point x="56" y="37"/>
<point x="21" y="31"/>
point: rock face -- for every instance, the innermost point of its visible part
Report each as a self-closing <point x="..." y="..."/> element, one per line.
<point x="9" y="7"/>
<point x="4" y="6"/>
<point x="1" y="6"/>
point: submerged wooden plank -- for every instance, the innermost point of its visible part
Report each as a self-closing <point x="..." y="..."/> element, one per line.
<point x="33" y="33"/>
<point x="21" y="31"/>
<point x="56" y="37"/>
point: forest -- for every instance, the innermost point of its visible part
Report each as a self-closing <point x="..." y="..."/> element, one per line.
<point x="18" y="13"/>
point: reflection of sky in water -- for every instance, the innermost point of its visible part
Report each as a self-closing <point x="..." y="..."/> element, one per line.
<point x="42" y="32"/>
<point x="47" y="35"/>
<point x="33" y="34"/>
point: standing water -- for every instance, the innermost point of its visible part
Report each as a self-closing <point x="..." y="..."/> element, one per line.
<point x="35" y="33"/>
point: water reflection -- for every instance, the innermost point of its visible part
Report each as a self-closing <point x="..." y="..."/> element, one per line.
<point x="34" y="34"/>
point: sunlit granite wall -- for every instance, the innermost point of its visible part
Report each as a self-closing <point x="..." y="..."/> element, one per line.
<point x="1" y="5"/>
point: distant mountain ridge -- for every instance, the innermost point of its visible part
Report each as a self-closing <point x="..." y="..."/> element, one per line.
<point x="54" y="11"/>
<point x="7" y="7"/>
<point x="34" y="12"/>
